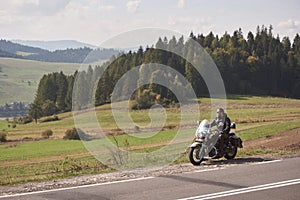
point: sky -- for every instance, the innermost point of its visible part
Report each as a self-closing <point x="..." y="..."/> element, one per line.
<point x="94" y="21"/>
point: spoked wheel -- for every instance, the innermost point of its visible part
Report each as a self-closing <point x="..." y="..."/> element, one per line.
<point x="232" y="151"/>
<point x="195" y="156"/>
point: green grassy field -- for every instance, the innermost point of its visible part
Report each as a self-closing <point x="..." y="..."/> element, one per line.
<point x="41" y="149"/>
<point x="38" y="159"/>
<point x="19" y="78"/>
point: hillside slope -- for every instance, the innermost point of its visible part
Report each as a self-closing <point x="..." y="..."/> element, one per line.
<point x="54" y="45"/>
<point x="19" y="77"/>
<point x="70" y="55"/>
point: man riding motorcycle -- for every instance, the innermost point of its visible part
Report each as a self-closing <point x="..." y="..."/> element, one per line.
<point x="223" y="123"/>
<point x="211" y="143"/>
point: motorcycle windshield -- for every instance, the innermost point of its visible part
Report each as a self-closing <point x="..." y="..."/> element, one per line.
<point x="202" y="128"/>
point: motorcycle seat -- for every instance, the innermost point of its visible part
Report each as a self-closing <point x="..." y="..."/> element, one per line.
<point x="231" y="134"/>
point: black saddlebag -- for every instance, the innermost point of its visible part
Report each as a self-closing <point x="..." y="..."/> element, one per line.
<point x="236" y="141"/>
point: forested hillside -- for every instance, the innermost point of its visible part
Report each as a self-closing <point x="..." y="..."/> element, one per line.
<point x="54" y="44"/>
<point x="255" y="64"/>
<point x="78" y="55"/>
<point x="8" y="55"/>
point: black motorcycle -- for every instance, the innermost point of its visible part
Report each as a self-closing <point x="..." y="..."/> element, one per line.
<point x="207" y="144"/>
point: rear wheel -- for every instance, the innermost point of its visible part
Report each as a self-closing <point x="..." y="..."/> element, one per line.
<point x="195" y="155"/>
<point x="231" y="152"/>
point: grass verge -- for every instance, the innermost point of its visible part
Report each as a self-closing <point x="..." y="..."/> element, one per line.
<point x="21" y="161"/>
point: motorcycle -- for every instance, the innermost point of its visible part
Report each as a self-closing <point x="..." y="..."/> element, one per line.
<point x="207" y="144"/>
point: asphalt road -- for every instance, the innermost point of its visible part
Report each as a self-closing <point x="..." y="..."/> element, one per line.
<point x="270" y="180"/>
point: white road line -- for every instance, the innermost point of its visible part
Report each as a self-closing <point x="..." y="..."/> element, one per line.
<point x="204" y="170"/>
<point x="266" y="162"/>
<point x="122" y="181"/>
<point x="224" y="167"/>
<point x="76" y="187"/>
<point x="244" y="190"/>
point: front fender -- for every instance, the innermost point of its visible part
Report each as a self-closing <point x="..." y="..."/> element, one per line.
<point x="195" y="144"/>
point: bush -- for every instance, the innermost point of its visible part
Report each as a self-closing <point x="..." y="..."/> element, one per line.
<point x="144" y="101"/>
<point x="47" y="133"/>
<point x="148" y="99"/>
<point x="71" y="134"/>
<point x="25" y="120"/>
<point x="3" y="137"/>
<point x="50" y="119"/>
<point x="76" y="134"/>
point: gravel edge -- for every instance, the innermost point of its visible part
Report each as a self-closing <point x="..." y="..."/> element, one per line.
<point x="132" y="174"/>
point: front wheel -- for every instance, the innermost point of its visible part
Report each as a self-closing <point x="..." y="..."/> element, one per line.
<point x="231" y="153"/>
<point x="194" y="155"/>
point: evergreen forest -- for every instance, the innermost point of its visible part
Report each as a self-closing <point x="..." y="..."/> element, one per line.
<point x="252" y="64"/>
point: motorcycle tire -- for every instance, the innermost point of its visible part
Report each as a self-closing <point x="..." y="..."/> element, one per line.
<point x="231" y="152"/>
<point x="194" y="155"/>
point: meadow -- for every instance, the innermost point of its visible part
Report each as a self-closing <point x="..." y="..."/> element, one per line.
<point x="28" y="157"/>
<point x="19" y="78"/>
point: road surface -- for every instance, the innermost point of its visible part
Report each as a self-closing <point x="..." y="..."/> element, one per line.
<point x="269" y="180"/>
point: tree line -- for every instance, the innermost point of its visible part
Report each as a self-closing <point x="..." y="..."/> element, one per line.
<point x="258" y="64"/>
<point x="53" y="95"/>
<point x="14" y="109"/>
<point x="10" y="49"/>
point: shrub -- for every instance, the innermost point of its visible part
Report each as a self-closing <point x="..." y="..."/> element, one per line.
<point x="27" y="138"/>
<point x="55" y="118"/>
<point x="25" y="120"/>
<point x="47" y="133"/>
<point x="144" y="100"/>
<point x="50" y="119"/>
<point x="76" y="134"/>
<point x="3" y="137"/>
<point x="71" y="134"/>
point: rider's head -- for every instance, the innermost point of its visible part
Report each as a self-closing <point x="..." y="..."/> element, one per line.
<point x="220" y="112"/>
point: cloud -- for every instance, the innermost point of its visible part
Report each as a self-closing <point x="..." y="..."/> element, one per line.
<point x="289" y="27"/>
<point x="289" y="24"/>
<point x="42" y="7"/>
<point x="190" y="23"/>
<point x="64" y="19"/>
<point x="132" y="5"/>
<point x="181" y="3"/>
<point x="107" y="7"/>
<point x="11" y="12"/>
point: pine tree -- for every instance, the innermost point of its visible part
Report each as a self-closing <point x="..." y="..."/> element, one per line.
<point x="49" y="108"/>
<point x="62" y="85"/>
<point x="80" y="91"/>
<point x="69" y="93"/>
<point x="296" y="48"/>
<point x="35" y="112"/>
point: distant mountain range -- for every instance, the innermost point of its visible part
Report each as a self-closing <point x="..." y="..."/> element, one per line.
<point x="55" y="45"/>
<point x="67" y="55"/>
